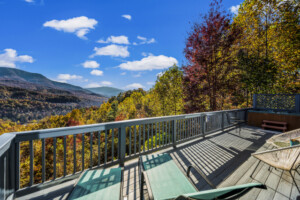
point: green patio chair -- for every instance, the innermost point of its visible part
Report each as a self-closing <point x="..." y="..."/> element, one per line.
<point x="98" y="184"/>
<point x="164" y="180"/>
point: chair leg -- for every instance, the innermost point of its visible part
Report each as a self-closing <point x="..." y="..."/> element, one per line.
<point x="294" y="181"/>
<point x="254" y="169"/>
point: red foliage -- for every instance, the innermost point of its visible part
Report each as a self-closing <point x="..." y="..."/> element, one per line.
<point x="72" y="122"/>
<point x="207" y="51"/>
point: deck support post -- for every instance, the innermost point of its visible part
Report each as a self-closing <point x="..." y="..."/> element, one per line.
<point x="122" y="145"/>
<point x="174" y="133"/>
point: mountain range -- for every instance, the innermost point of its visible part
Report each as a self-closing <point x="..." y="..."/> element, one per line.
<point x="26" y="96"/>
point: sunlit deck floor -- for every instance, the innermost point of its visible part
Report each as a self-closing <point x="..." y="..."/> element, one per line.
<point x="224" y="157"/>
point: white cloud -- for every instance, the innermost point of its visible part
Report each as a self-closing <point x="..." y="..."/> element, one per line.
<point x="103" y="83"/>
<point x="127" y="17"/>
<point x="122" y="39"/>
<point x="97" y="72"/>
<point x="149" y="63"/>
<point x="80" y="26"/>
<point x="134" y="86"/>
<point x="145" y="54"/>
<point x="29" y="1"/>
<point x="150" y="83"/>
<point x="235" y="9"/>
<point x="90" y="64"/>
<point x="144" y="40"/>
<point x="111" y="50"/>
<point x="135" y="43"/>
<point x="141" y="38"/>
<point x="10" y="57"/>
<point x="67" y="77"/>
<point x="123" y="73"/>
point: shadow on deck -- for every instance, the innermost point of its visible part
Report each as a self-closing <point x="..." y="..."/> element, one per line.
<point x="225" y="157"/>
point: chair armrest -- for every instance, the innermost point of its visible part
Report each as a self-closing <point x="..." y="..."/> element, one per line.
<point x="201" y="174"/>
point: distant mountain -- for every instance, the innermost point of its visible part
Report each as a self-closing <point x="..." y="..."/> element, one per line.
<point x="34" y="81"/>
<point x="25" y="96"/>
<point x="106" y="91"/>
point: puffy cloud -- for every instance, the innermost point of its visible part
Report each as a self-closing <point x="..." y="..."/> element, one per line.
<point x="90" y="64"/>
<point x="29" y="1"/>
<point x="145" y="40"/>
<point x="103" y="83"/>
<point x="10" y="57"/>
<point x="134" y="86"/>
<point x="80" y="26"/>
<point x="111" y="50"/>
<point x="122" y="39"/>
<point x="123" y="73"/>
<point x="235" y="9"/>
<point x="97" y="72"/>
<point x="67" y="77"/>
<point x="149" y="63"/>
<point x="127" y="17"/>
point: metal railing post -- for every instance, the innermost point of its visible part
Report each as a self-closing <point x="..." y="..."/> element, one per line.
<point x="122" y="145"/>
<point x="203" y="125"/>
<point x="254" y="101"/>
<point x="297" y="101"/>
<point x="174" y="132"/>
<point x="222" y="123"/>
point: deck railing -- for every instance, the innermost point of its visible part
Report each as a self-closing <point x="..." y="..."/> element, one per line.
<point x="63" y="153"/>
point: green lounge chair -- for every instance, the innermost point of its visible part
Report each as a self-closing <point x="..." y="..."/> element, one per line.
<point x="98" y="184"/>
<point x="164" y="180"/>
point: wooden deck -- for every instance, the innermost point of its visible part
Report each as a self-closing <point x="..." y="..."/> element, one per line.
<point x="224" y="157"/>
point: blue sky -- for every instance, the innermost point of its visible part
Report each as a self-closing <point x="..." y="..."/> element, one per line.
<point x="90" y="43"/>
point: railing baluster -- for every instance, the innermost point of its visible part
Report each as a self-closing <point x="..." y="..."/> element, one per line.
<point x="156" y="135"/>
<point x="54" y="158"/>
<point x="17" y="165"/>
<point x="144" y="136"/>
<point x="105" y="156"/>
<point x="74" y="154"/>
<point x="31" y="162"/>
<point x="82" y="153"/>
<point x="159" y="128"/>
<point x="148" y="126"/>
<point x="130" y="130"/>
<point x="99" y="149"/>
<point x="91" y="149"/>
<point x="43" y="160"/>
<point x="169" y="132"/>
<point x="134" y="140"/>
<point x="112" y="144"/>
<point x="152" y="141"/>
<point x="65" y="155"/>
<point x="140" y="138"/>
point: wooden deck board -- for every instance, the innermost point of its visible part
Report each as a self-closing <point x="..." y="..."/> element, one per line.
<point x="225" y="158"/>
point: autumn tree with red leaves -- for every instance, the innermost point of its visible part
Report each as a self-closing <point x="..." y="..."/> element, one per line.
<point x="209" y="74"/>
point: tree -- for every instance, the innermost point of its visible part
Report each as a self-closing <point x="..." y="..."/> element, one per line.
<point x="209" y="73"/>
<point x="168" y="87"/>
<point x="270" y="45"/>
